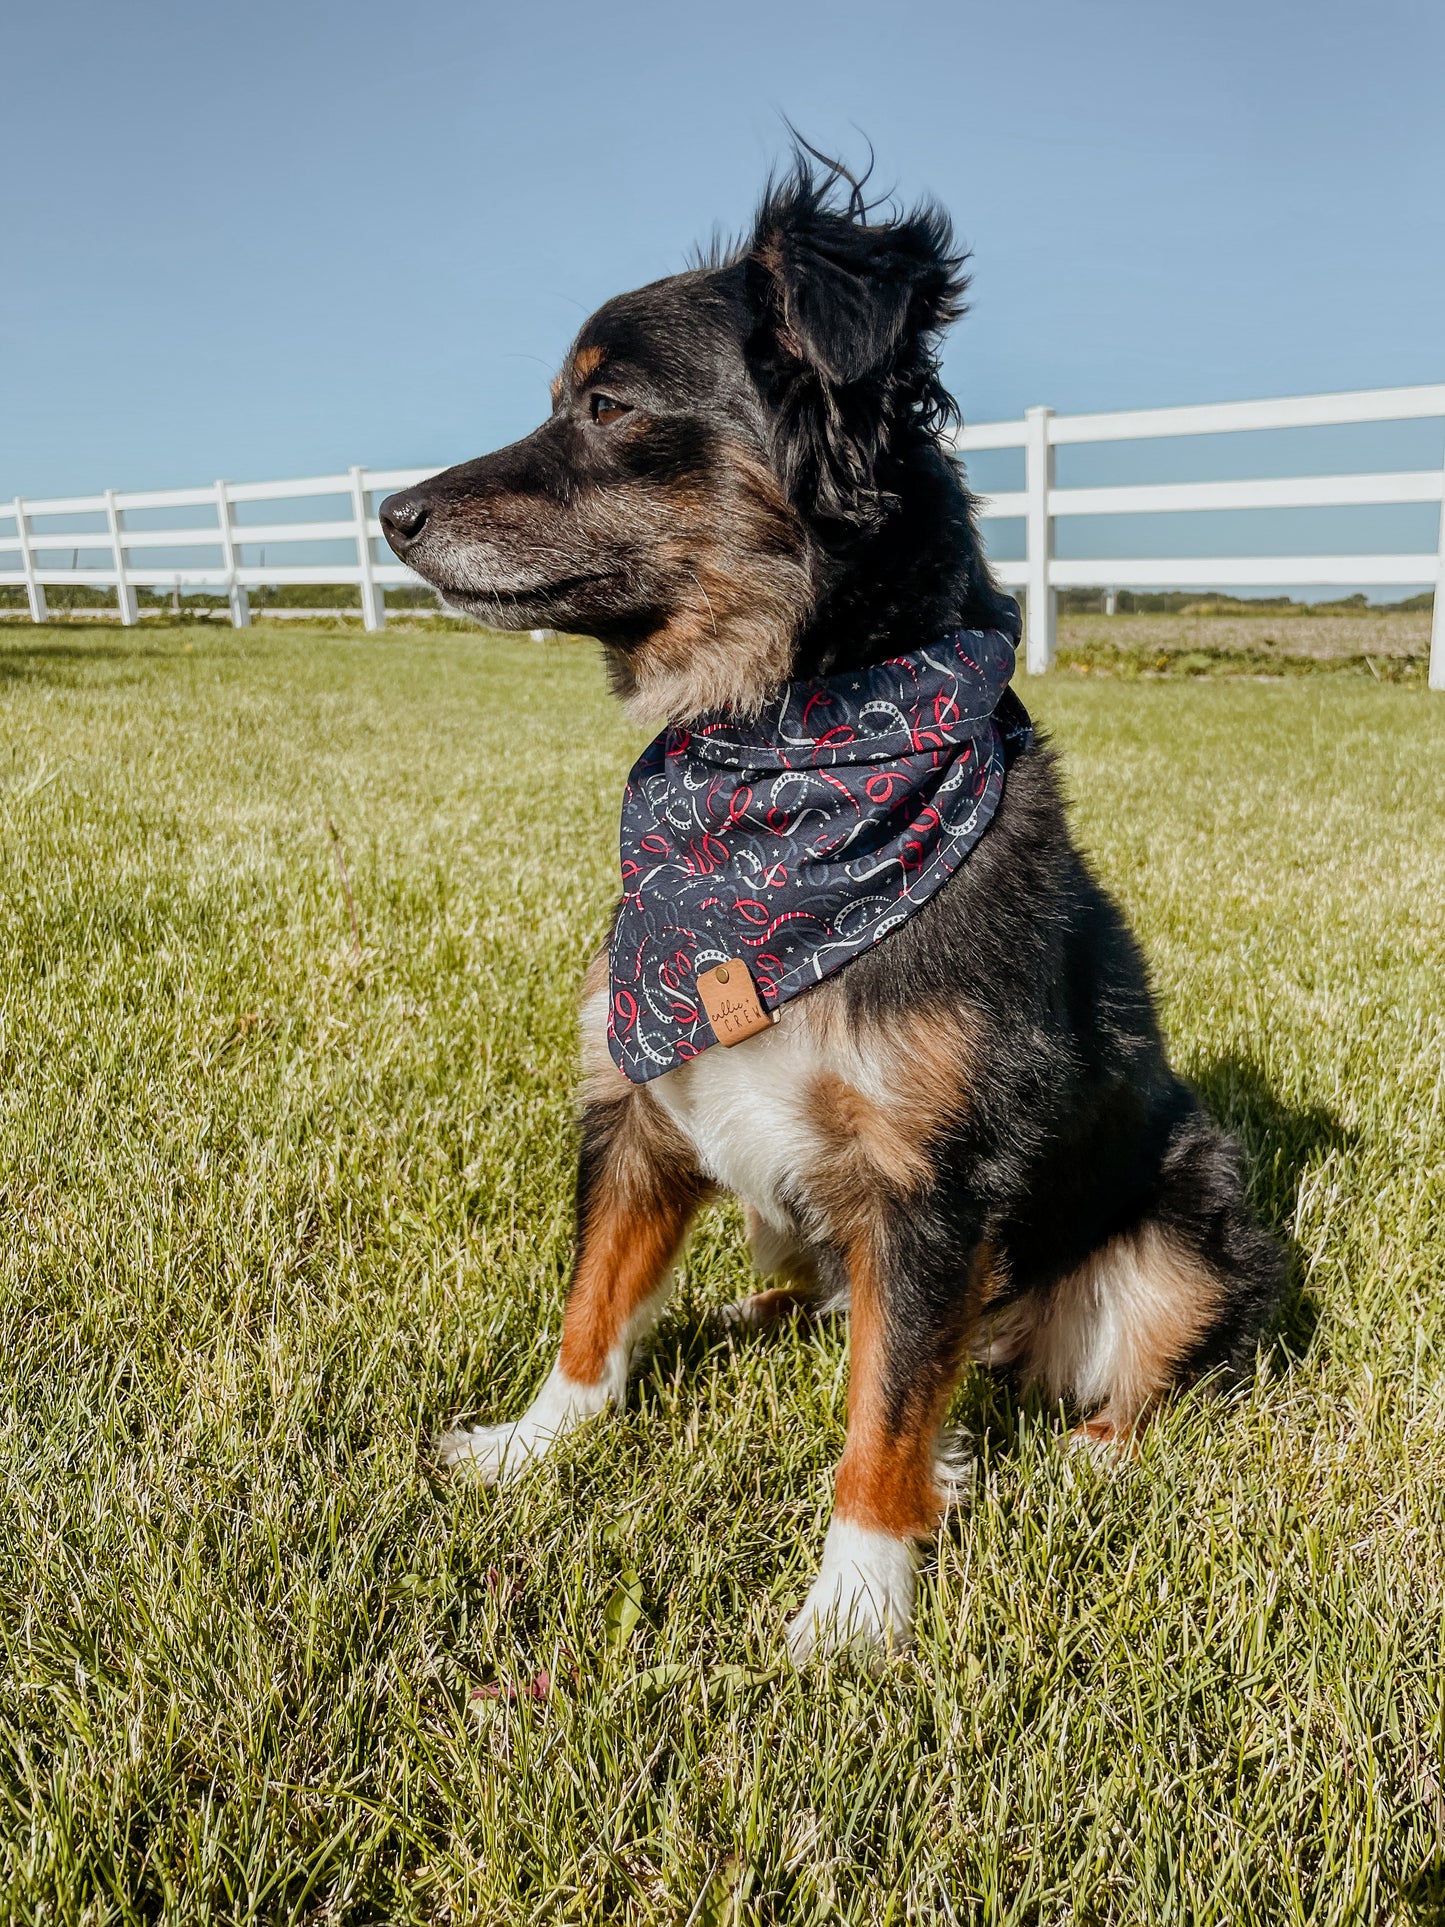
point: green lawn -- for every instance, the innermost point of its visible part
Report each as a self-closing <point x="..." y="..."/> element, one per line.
<point x="273" y="1210"/>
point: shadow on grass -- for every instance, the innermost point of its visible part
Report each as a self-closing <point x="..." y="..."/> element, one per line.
<point x="1282" y="1141"/>
<point x="1424" y="1896"/>
<point x="694" y="1348"/>
<point x="41" y="659"/>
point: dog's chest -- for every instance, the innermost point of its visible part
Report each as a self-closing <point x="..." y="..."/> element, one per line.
<point x="746" y="1109"/>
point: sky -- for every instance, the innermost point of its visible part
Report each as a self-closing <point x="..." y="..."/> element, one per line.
<point x="279" y="239"/>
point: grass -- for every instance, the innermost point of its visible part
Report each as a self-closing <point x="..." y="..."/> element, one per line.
<point x="274" y="1207"/>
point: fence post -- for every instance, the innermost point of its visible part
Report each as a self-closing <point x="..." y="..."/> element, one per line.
<point x="1437" y="625"/>
<point x="373" y="596"/>
<point x="124" y="593"/>
<point x="34" y="587"/>
<point x="240" y="601"/>
<point x="1041" y="609"/>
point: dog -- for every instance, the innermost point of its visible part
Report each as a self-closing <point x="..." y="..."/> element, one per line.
<point x="969" y="1133"/>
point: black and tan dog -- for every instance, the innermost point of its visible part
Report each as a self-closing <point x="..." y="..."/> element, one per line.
<point x="971" y="1133"/>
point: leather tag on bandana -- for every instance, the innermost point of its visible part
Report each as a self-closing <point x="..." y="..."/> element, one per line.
<point x="731" y="1002"/>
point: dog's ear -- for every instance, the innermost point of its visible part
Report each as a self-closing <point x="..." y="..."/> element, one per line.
<point x="842" y="294"/>
<point x="848" y="313"/>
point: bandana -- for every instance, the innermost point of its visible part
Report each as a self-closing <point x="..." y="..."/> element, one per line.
<point x="799" y="840"/>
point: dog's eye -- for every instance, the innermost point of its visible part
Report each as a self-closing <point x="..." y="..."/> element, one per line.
<point x="604" y="409"/>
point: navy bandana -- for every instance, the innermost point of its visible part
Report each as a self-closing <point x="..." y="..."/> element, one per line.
<point x="801" y="839"/>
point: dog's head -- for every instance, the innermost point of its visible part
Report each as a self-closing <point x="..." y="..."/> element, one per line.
<point x="723" y="450"/>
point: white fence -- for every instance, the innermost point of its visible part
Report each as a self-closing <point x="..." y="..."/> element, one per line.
<point x="27" y="555"/>
<point x="227" y="534"/>
<point x="1041" y="575"/>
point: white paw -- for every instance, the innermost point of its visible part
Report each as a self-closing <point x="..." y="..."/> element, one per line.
<point x="494" y="1454"/>
<point x="741" y="1314"/>
<point x="765" y="1309"/>
<point x="862" y="1598"/>
<point x="497" y="1454"/>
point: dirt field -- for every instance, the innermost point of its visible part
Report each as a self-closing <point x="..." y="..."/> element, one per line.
<point x="1395" y="647"/>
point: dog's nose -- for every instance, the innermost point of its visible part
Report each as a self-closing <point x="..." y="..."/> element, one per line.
<point x="403" y="517"/>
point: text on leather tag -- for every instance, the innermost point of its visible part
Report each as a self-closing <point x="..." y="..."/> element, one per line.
<point x="731" y="1002"/>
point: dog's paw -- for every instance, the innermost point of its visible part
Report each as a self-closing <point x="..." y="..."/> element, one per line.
<point x="1108" y="1445"/>
<point x="862" y="1600"/>
<point x="955" y="1470"/>
<point x="495" y="1454"/>
<point x="763" y="1310"/>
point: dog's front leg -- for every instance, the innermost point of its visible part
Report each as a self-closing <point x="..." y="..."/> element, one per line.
<point x="911" y="1317"/>
<point x="637" y="1188"/>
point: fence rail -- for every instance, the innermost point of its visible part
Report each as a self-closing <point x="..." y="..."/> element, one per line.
<point x="27" y="553"/>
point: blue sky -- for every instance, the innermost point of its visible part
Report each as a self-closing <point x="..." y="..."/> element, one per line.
<point x="279" y="239"/>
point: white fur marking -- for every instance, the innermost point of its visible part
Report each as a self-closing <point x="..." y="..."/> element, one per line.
<point x="1110" y="1326"/>
<point x="497" y="1454"/>
<point x="742" y="1109"/>
<point x="862" y="1597"/>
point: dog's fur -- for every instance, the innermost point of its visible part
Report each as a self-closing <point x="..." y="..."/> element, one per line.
<point x="972" y="1133"/>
